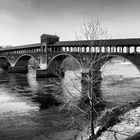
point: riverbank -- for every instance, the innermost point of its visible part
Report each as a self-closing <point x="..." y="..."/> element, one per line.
<point x="128" y="127"/>
<point x="76" y="127"/>
<point x="120" y="124"/>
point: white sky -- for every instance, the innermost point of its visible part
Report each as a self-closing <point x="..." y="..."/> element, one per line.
<point x="23" y="21"/>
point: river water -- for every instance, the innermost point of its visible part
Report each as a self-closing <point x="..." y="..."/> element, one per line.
<point x="22" y="118"/>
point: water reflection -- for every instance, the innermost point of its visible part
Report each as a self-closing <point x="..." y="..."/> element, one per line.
<point x="4" y="98"/>
<point x="12" y="89"/>
<point x="16" y="107"/>
<point x="33" y="83"/>
<point x="71" y="85"/>
<point x="20" y="116"/>
<point x="10" y="103"/>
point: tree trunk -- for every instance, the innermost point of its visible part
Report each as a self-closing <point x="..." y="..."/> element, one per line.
<point x="92" y="119"/>
<point x="92" y="107"/>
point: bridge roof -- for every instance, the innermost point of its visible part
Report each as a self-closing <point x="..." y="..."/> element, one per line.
<point x="107" y="42"/>
<point x="21" y="47"/>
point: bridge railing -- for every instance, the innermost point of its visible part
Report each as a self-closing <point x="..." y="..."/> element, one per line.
<point x="95" y="49"/>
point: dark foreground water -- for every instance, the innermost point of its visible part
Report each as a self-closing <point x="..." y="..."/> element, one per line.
<point x="22" y="118"/>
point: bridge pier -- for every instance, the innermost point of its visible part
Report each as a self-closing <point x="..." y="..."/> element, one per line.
<point x="18" y="69"/>
<point x="44" y="71"/>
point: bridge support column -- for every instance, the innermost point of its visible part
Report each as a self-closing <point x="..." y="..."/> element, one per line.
<point x="128" y="49"/>
<point x="43" y="55"/>
<point x="45" y="41"/>
<point x="43" y="61"/>
<point x="135" y="49"/>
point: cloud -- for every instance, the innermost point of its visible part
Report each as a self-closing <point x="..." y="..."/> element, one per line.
<point x="58" y="9"/>
<point x="62" y="16"/>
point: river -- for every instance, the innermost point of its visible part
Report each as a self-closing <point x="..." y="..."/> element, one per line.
<point x="22" y="118"/>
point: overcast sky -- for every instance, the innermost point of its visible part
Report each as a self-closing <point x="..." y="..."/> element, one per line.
<point x="23" y="21"/>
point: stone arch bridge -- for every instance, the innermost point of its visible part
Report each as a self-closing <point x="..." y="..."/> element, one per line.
<point x="50" y="53"/>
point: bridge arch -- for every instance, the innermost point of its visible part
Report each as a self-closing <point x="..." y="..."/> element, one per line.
<point x="58" y="59"/>
<point x="6" y="58"/>
<point x="23" y="60"/>
<point x="5" y="62"/>
<point x="105" y="58"/>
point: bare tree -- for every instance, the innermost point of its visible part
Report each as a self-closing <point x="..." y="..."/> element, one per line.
<point x="91" y="31"/>
<point x="90" y="103"/>
<point x="96" y="33"/>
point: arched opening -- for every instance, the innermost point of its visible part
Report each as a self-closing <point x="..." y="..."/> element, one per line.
<point x="120" y="80"/>
<point x="70" y="67"/>
<point x="27" y="60"/>
<point x="120" y="60"/>
<point x="70" y="63"/>
<point x="61" y="63"/>
<point x="4" y="62"/>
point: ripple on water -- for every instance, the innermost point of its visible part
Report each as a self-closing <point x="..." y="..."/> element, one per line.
<point x="13" y="105"/>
